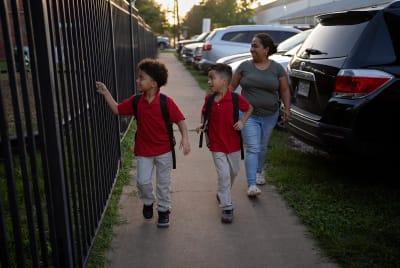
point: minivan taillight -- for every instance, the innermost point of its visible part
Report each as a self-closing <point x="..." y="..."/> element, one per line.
<point x="207" y="47"/>
<point x="359" y="83"/>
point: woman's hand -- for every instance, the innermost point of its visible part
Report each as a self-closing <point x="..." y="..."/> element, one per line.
<point x="238" y="125"/>
<point x="286" y="115"/>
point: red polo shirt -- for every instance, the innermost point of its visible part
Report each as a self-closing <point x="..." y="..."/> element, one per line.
<point x="222" y="136"/>
<point x="151" y="133"/>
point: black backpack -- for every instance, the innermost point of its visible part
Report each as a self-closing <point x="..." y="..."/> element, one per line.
<point x="164" y="110"/>
<point x="235" y="103"/>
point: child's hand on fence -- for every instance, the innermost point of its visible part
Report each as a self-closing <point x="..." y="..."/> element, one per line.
<point x="101" y="88"/>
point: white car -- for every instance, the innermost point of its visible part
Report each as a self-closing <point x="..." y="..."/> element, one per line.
<point x="188" y="52"/>
<point x="162" y="42"/>
<point x="282" y="55"/>
<point x="237" y="39"/>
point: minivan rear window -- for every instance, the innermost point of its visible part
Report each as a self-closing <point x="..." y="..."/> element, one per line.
<point x="325" y="43"/>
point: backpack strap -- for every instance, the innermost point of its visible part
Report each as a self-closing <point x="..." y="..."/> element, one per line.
<point x="235" y="101"/>
<point x="210" y="100"/>
<point x="135" y="104"/>
<point x="164" y="110"/>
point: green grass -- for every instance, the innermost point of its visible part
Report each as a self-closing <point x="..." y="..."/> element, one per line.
<point x="3" y="66"/>
<point x="102" y="243"/>
<point x="354" y="215"/>
<point x="200" y="77"/>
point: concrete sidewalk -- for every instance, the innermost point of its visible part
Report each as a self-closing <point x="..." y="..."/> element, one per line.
<point x="264" y="233"/>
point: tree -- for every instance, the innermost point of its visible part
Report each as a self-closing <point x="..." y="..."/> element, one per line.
<point x="234" y="12"/>
<point x="153" y="15"/>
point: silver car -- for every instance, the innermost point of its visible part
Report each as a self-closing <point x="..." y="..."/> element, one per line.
<point x="237" y="38"/>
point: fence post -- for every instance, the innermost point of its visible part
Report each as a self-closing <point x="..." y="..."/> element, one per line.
<point x="60" y="221"/>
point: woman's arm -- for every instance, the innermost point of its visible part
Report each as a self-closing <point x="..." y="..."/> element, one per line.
<point x="235" y="81"/>
<point x="285" y="96"/>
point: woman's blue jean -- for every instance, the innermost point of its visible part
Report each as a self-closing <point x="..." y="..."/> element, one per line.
<point x="256" y="134"/>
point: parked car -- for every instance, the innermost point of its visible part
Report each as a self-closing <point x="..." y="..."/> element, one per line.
<point x="197" y="55"/>
<point x="162" y="42"/>
<point x="188" y="52"/>
<point x="285" y="50"/>
<point x="236" y="39"/>
<point x="346" y="82"/>
<point x="198" y="39"/>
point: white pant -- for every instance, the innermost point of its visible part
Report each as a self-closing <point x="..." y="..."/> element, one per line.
<point x="144" y="179"/>
<point x="227" y="166"/>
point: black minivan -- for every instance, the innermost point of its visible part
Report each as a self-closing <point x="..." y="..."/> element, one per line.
<point x="345" y="82"/>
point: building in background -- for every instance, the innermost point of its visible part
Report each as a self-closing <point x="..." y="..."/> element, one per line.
<point x="303" y="12"/>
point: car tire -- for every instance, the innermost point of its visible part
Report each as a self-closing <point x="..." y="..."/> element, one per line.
<point x="161" y="46"/>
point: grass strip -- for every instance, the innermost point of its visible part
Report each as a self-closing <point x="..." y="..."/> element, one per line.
<point x="351" y="209"/>
<point x="102" y="243"/>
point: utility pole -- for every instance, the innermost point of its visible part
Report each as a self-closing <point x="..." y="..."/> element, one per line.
<point x="177" y="25"/>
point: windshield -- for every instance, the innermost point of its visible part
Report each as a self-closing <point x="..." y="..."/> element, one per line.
<point x="201" y="36"/>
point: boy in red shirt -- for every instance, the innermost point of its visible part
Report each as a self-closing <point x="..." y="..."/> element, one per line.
<point x="223" y="136"/>
<point x="152" y="145"/>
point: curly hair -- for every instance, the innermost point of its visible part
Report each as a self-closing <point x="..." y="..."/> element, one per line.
<point x="155" y="69"/>
<point x="267" y="41"/>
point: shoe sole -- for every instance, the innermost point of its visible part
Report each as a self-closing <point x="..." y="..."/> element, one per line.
<point x="227" y="220"/>
<point x="260" y="183"/>
<point x="253" y="194"/>
<point x="227" y="217"/>
<point x="163" y="225"/>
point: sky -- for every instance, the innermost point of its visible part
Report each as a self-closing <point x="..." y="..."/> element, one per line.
<point x="185" y="5"/>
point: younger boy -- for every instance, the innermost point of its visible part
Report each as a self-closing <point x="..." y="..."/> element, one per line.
<point x="223" y="135"/>
<point x="152" y="145"/>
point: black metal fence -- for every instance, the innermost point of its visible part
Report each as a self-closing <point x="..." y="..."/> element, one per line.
<point x="60" y="144"/>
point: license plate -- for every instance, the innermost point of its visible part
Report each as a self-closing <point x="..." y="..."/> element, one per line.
<point x="303" y="88"/>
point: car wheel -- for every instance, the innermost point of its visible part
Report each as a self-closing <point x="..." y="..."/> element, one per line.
<point x="161" y="46"/>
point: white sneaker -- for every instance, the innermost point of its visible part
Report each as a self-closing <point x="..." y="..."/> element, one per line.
<point x="253" y="191"/>
<point x="260" y="178"/>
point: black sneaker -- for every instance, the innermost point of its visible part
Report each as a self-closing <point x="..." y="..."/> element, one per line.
<point x="227" y="216"/>
<point x="163" y="218"/>
<point x="148" y="211"/>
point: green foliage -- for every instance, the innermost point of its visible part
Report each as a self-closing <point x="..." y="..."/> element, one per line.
<point x="152" y="14"/>
<point x="221" y="12"/>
